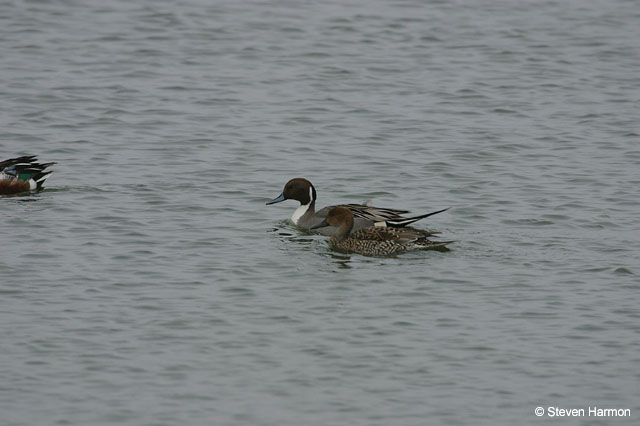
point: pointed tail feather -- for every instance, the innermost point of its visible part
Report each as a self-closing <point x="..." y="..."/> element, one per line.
<point x="41" y="174"/>
<point x="440" y="246"/>
<point x="41" y="178"/>
<point x="399" y="223"/>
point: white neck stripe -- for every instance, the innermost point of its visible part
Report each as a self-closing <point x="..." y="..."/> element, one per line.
<point x="300" y="211"/>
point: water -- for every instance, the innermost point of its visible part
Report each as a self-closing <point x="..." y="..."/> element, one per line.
<point x="149" y="284"/>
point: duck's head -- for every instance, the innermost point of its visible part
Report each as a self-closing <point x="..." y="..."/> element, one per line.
<point x="339" y="217"/>
<point x="298" y="189"/>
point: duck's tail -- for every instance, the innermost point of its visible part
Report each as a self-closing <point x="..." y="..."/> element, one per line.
<point x="402" y="222"/>
<point x="40" y="175"/>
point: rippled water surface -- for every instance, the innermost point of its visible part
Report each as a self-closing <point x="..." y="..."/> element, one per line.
<point x="149" y="284"/>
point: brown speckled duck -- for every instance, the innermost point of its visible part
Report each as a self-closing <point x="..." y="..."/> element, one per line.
<point x="375" y="241"/>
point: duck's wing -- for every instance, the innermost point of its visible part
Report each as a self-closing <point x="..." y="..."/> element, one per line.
<point x="386" y="217"/>
<point x="374" y="214"/>
<point x="399" y="235"/>
<point x="24" y="160"/>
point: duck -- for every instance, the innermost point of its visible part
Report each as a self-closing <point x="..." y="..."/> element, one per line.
<point x="365" y="215"/>
<point x="22" y="174"/>
<point x="375" y="241"/>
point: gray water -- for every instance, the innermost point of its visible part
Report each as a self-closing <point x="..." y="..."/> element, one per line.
<point x="148" y="284"/>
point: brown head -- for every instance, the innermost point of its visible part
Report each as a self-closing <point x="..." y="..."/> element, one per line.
<point x="298" y="189"/>
<point x="339" y="217"/>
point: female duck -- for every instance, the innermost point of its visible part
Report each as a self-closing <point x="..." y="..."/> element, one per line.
<point x="375" y="241"/>
<point x="22" y="174"/>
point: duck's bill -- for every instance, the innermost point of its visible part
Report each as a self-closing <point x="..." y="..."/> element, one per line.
<point x="278" y="199"/>
<point x="320" y="225"/>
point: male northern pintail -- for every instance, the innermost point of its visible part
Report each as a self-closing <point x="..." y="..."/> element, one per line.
<point x="22" y="174"/>
<point x="374" y="241"/>
<point x="306" y="216"/>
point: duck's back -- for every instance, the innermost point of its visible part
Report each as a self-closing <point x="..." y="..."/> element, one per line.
<point x="369" y="247"/>
<point x="364" y="216"/>
<point x="375" y="241"/>
<point x="398" y="235"/>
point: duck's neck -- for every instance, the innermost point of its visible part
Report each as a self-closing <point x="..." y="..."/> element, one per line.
<point x="343" y="230"/>
<point x="303" y="211"/>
